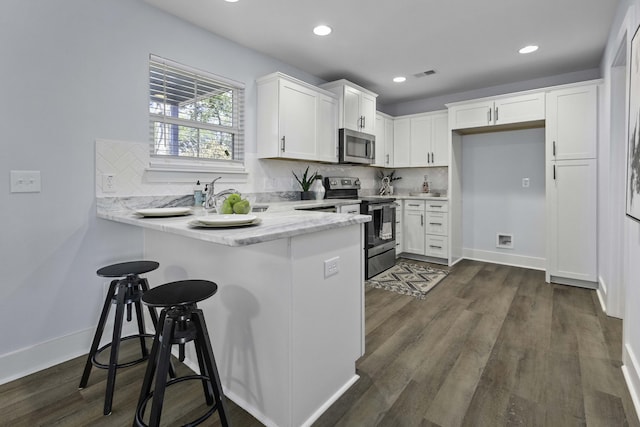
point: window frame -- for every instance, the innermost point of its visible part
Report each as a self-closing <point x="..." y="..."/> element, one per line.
<point x="175" y="164"/>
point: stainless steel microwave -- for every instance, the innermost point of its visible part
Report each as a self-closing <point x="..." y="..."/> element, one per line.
<point x="356" y="147"/>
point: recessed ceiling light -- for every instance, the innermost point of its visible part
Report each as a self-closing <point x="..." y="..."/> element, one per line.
<point x="231" y="1"/>
<point x="399" y="79"/>
<point x="528" y="49"/>
<point x="322" y="30"/>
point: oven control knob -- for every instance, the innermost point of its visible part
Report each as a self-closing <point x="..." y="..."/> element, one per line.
<point x="334" y="182"/>
<point x="356" y="182"/>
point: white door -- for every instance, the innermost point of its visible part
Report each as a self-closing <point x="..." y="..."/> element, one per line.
<point x="572" y="219"/>
<point x="352" y="108"/>
<point x="380" y="142"/>
<point x="401" y="143"/>
<point x="472" y="115"/>
<point x="297" y="121"/>
<point x="572" y="120"/>
<point x="519" y="109"/>
<point x="420" y="137"/>
<point x="388" y="142"/>
<point x="440" y="140"/>
<point x="368" y="113"/>
<point x="327" y="129"/>
<point x="414" y="232"/>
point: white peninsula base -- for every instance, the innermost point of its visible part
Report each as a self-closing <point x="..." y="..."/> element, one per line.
<point x="285" y="337"/>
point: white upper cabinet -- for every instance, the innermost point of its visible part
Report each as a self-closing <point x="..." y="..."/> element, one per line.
<point x="572" y="123"/>
<point x="384" y="141"/>
<point x="357" y="106"/>
<point x="498" y="111"/>
<point x="421" y="140"/>
<point x="296" y="120"/>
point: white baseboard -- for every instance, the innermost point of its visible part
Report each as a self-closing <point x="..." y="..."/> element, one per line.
<point x="534" y="263"/>
<point x="602" y="294"/>
<point x="29" y="360"/>
<point x="41" y="356"/>
<point x="631" y="372"/>
<point x="330" y="401"/>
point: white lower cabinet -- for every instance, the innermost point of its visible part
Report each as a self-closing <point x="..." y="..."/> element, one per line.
<point x="399" y="229"/>
<point x="426" y="228"/>
<point x="571" y="216"/>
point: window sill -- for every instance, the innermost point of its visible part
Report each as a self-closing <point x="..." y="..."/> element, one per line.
<point x="171" y="171"/>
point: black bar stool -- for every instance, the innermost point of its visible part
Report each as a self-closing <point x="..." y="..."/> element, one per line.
<point x="180" y="322"/>
<point x="125" y="290"/>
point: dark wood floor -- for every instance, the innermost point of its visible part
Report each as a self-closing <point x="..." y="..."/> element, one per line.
<point x="490" y="346"/>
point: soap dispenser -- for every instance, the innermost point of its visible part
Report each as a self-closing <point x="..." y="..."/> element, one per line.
<point x="197" y="194"/>
<point x="425" y="185"/>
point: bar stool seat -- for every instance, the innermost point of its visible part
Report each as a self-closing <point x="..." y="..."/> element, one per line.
<point x="125" y="291"/>
<point x="180" y="322"/>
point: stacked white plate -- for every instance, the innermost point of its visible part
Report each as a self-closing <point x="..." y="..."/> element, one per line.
<point x="160" y="212"/>
<point x="218" y="221"/>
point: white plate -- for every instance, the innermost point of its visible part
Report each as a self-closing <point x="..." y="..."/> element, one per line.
<point x="235" y="219"/>
<point x="164" y="211"/>
<point x="198" y="223"/>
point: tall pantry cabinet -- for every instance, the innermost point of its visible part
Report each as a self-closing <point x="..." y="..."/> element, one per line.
<point x="571" y="183"/>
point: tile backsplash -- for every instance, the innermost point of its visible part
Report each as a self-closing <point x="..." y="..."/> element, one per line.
<point x="128" y="162"/>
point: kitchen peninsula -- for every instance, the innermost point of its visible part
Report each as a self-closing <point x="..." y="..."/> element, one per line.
<point x="286" y="333"/>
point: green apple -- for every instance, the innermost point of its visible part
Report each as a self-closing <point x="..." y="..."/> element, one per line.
<point x="242" y="207"/>
<point x="233" y="198"/>
<point x="226" y="208"/>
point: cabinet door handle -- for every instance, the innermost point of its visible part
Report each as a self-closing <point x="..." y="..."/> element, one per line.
<point x="489" y="112"/>
<point x="432" y="161"/>
<point x="435" y="223"/>
<point x="435" y="206"/>
<point x="364" y="121"/>
<point x="283" y="142"/>
<point x="436" y="247"/>
<point x="554" y="172"/>
<point x="496" y="114"/>
<point x="411" y="204"/>
<point x="387" y="159"/>
<point x="421" y="219"/>
<point x="554" y="148"/>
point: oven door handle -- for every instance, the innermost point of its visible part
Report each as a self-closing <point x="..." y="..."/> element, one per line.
<point x="379" y="206"/>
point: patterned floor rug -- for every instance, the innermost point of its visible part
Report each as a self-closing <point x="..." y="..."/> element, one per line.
<point x="408" y="279"/>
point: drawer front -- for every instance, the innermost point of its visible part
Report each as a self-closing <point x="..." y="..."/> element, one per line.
<point x="414" y="205"/>
<point x="437" y="223"/>
<point x="436" y="206"/>
<point x="437" y="246"/>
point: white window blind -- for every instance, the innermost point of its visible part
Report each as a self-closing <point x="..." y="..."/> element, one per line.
<point x="194" y="114"/>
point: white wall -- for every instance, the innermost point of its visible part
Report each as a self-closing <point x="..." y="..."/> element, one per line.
<point x="74" y="71"/>
<point x="626" y="281"/>
<point x="494" y="201"/>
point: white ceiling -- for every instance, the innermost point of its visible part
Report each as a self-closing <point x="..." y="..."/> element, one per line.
<point x="471" y="44"/>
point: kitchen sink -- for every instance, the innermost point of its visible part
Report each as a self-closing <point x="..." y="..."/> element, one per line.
<point x="254" y="208"/>
<point x="425" y="195"/>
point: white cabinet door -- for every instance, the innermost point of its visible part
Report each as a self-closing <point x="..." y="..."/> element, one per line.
<point x="440" y="140"/>
<point x="399" y="229"/>
<point x="352" y="116"/>
<point x="388" y="143"/>
<point x="297" y="122"/>
<point x="368" y="113"/>
<point x="472" y="115"/>
<point x="572" y="123"/>
<point x="437" y="223"/>
<point x="437" y="246"/>
<point x="414" y="236"/>
<point x="401" y="143"/>
<point x="327" y="129"/>
<point x="420" y="137"/>
<point x="519" y="109"/>
<point x="572" y="219"/>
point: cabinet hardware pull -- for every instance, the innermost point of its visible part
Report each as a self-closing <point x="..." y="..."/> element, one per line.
<point x="554" y="172"/>
<point x="421" y="219"/>
<point x="432" y="161"/>
<point x="434" y="246"/>
<point x="283" y="142"/>
<point x="496" y="114"/>
<point x="554" y="148"/>
<point x="489" y="121"/>
<point x="364" y="121"/>
<point x="411" y="204"/>
<point x="435" y="206"/>
<point x="435" y="223"/>
<point x="387" y="159"/>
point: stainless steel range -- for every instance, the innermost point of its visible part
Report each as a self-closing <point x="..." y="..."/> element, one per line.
<point x="380" y="236"/>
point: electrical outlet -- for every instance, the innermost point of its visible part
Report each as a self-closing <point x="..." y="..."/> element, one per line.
<point x="108" y="183"/>
<point x="525" y="182"/>
<point x="331" y="267"/>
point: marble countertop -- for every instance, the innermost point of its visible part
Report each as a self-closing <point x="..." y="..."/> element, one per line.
<point x="417" y="197"/>
<point x="280" y="221"/>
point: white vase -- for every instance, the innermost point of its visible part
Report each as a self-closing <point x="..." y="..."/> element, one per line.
<point x="318" y="189"/>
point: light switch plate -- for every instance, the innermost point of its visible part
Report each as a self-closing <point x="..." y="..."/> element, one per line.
<point x="25" y="181"/>
<point x="331" y="266"/>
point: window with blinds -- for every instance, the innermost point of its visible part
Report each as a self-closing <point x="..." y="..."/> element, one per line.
<point x="194" y="114"/>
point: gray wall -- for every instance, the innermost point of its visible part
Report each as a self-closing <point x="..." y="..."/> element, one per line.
<point x="493" y="198"/>
<point x="73" y="71"/>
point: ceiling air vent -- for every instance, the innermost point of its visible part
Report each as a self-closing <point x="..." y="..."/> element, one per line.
<point x="424" y="73"/>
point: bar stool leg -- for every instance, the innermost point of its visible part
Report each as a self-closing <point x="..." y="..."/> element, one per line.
<point x="98" y="335"/>
<point x="115" y="347"/>
<point x="212" y="369"/>
<point x="150" y="371"/>
<point x="144" y="283"/>
<point x="164" y="359"/>
<point x="141" y="328"/>
<point x="206" y="385"/>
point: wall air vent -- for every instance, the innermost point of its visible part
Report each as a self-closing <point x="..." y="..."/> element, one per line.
<point x="424" y="73"/>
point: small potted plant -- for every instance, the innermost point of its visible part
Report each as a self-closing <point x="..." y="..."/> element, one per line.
<point x="305" y="182"/>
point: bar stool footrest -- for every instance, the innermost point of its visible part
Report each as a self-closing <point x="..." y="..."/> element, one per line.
<point x="143" y="405"/>
<point x="94" y="359"/>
